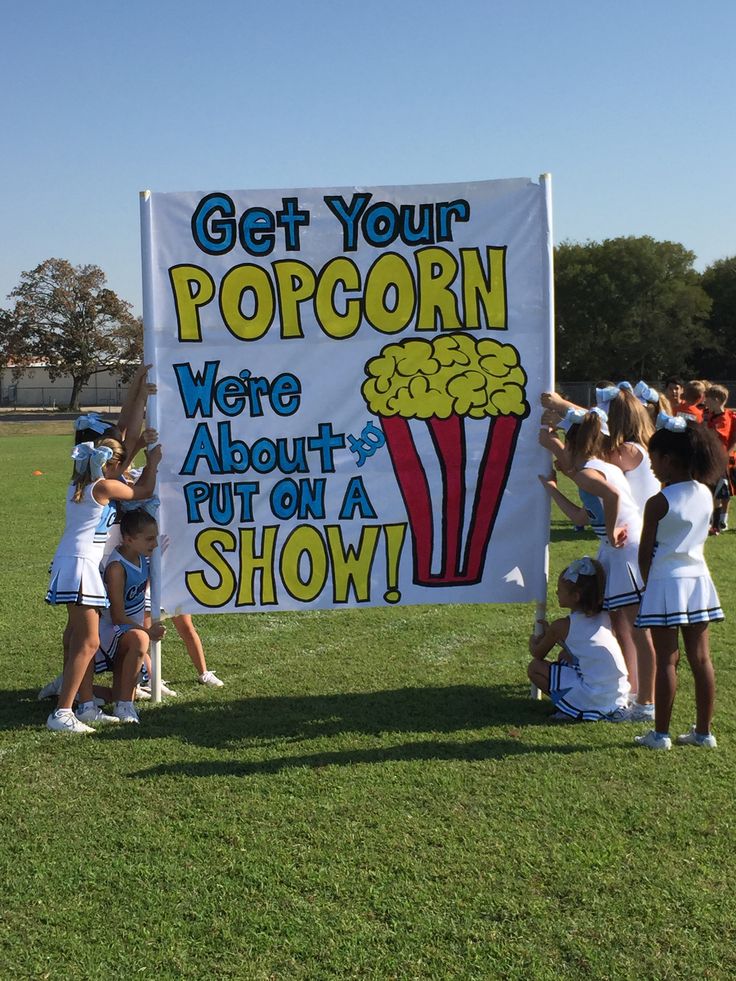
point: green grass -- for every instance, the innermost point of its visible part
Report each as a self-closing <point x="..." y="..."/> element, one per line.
<point x="372" y="795"/>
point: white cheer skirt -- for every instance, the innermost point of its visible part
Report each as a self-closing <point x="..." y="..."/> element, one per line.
<point x="75" y="579"/>
<point x="571" y="695"/>
<point x="679" y="600"/>
<point x="624" y="585"/>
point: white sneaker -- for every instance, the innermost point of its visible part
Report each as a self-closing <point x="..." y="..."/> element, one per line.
<point x="165" y="690"/>
<point x="51" y="689"/>
<point x="125" y="712"/>
<point x="143" y="693"/>
<point x="639" y="712"/>
<point x="694" y="738"/>
<point x="654" y="740"/>
<point x="64" y="720"/>
<point x="89" y="713"/>
<point x="210" y="679"/>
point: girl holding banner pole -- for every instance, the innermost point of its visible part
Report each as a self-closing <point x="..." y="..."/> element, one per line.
<point x="75" y="577"/>
<point x="583" y="458"/>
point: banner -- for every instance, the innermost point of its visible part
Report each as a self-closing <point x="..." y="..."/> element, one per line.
<point x="345" y="379"/>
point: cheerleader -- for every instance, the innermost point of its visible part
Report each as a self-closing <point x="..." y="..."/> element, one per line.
<point x="679" y="593"/>
<point x="75" y="576"/>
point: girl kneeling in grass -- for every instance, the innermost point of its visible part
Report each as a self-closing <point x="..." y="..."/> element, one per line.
<point x="589" y="680"/>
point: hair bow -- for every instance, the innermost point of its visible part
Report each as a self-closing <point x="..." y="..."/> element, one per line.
<point x="646" y="394"/>
<point x="573" y="416"/>
<point x="580" y="567"/>
<point x="603" y="416"/>
<point x="605" y="395"/>
<point x="92" y="421"/>
<point x="86" y="455"/>
<point x="150" y="504"/>
<point x="675" y="424"/>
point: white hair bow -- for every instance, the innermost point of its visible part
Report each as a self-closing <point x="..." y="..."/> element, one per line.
<point x="675" y="424"/>
<point x="92" y="421"/>
<point x="580" y="567"/>
<point x="88" y="455"/>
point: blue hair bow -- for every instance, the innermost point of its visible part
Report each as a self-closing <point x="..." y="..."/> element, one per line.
<point x="675" y="424"/>
<point x="580" y="567"/>
<point x="87" y="455"/>
<point x="605" y="395"/>
<point x="92" y="421"/>
<point x="645" y="393"/>
<point x="575" y="416"/>
<point x="150" y="504"/>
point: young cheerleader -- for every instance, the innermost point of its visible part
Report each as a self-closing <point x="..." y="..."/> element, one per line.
<point x="124" y="639"/>
<point x="75" y="577"/>
<point x="679" y="593"/>
<point x="602" y="485"/>
<point x="589" y="681"/>
<point x="629" y="432"/>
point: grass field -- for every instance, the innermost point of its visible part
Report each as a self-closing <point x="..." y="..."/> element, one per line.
<point x="372" y="795"/>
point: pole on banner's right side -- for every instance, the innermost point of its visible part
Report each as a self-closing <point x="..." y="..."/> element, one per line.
<point x="545" y="181"/>
<point x="151" y="422"/>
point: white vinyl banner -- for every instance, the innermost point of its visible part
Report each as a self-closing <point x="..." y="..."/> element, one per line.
<point x="346" y="378"/>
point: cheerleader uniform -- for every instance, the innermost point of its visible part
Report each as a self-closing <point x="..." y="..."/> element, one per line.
<point x="642" y="482"/>
<point x="679" y="588"/>
<point x="75" y="572"/>
<point x="624" y="585"/>
<point x="134" y="591"/>
<point x="596" y="683"/>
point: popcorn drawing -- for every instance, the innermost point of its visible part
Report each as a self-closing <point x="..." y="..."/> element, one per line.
<point x="440" y="384"/>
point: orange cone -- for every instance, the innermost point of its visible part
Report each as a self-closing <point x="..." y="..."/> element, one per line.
<point x="38" y="473"/>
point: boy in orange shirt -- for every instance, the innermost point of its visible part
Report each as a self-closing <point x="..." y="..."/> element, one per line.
<point x="723" y="423"/>
<point x="690" y="405"/>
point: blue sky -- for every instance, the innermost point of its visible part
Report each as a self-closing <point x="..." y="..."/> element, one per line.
<point x="630" y="106"/>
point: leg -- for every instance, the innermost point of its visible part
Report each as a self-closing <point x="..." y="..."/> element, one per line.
<point x="538" y="673"/>
<point x="188" y="633"/>
<point x="622" y="629"/>
<point x="697" y="648"/>
<point x="84" y="639"/>
<point x="132" y="645"/>
<point x="86" y="694"/>
<point x="665" y="686"/>
<point x="638" y="644"/>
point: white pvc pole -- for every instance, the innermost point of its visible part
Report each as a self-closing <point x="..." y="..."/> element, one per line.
<point x="545" y="181"/>
<point x="151" y="421"/>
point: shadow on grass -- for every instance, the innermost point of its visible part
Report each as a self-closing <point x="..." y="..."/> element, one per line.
<point x="478" y="750"/>
<point x="284" y="718"/>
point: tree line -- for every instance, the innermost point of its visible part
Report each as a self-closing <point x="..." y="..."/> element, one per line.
<point x="624" y="307"/>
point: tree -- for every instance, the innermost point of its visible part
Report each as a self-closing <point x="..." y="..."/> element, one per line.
<point x="719" y="282"/>
<point x="65" y="316"/>
<point x="628" y="307"/>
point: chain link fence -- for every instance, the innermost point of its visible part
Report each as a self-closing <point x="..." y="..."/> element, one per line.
<point x="18" y="396"/>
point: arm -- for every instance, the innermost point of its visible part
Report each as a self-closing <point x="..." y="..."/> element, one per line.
<point x="577" y="514"/>
<point x="595" y="483"/>
<point x="115" y="490"/>
<point x="130" y="399"/>
<point x="554" y="444"/>
<point x="552" y="634"/>
<point x="655" y="509"/>
<point x="115" y="583"/>
<point x="551" y="400"/>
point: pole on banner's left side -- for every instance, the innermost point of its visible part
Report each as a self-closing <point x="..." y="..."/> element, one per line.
<point x="545" y="181"/>
<point x="149" y="357"/>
